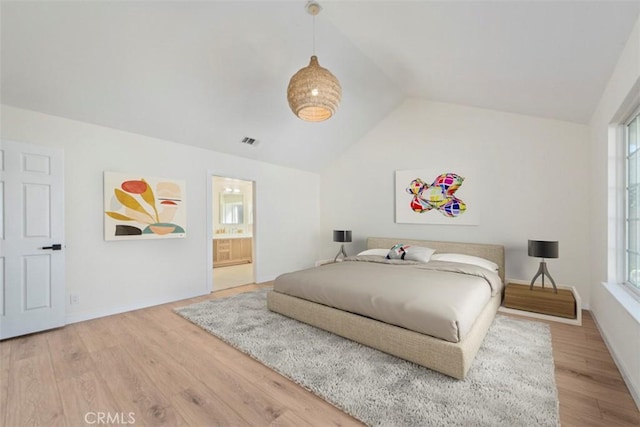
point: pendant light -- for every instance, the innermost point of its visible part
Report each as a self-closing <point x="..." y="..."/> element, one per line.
<point x="314" y="93"/>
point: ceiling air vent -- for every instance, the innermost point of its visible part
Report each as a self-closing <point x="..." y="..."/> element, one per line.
<point x="249" y="141"/>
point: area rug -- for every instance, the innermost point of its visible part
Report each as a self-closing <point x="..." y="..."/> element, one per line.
<point x="511" y="381"/>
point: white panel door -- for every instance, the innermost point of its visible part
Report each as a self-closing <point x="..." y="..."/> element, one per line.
<point x="32" y="281"/>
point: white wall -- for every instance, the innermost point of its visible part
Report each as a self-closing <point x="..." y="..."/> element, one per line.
<point x="533" y="173"/>
<point x="620" y="328"/>
<point x="116" y="276"/>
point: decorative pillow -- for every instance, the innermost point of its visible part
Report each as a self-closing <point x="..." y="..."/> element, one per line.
<point x="379" y="252"/>
<point x="467" y="259"/>
<point x="397" y="252"/>
<point x="418" y="253"/>
<point x="410" y="253"/>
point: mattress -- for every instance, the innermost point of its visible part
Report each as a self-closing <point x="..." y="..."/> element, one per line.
<point x="440" y="299"/>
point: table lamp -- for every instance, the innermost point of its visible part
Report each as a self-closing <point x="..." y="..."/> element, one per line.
<point x="342" y="236"/>
<point x="543" y="249"/>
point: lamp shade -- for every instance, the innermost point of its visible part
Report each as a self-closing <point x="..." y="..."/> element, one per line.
<point x="342" y="236"/>
<point x="543" y="249"/>
<point x="314" y="93"/>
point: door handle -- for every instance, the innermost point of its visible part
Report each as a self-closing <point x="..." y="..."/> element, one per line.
<point x="54" y="247"/>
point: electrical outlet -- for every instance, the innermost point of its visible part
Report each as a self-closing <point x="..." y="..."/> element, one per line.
<point x="74" y="299"/>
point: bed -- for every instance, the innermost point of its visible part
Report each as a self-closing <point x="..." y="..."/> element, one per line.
<point x="377" y="321"/>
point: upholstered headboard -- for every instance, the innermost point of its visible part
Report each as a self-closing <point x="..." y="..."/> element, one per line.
<point x="493" y="253"/>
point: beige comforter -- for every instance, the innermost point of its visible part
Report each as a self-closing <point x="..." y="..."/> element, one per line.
<point x="441" y="299"/>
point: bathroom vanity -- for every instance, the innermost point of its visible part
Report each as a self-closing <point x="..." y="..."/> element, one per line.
<point x="232" y="249"/>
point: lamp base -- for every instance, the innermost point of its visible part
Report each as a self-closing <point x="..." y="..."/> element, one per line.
<point x="340" y="252"/>
<point x="542" y="271"/>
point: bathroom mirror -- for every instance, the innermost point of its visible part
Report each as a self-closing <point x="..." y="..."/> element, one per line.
<point x="231" y="208"/>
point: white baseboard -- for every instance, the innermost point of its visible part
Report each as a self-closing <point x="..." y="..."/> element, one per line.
<point x="88" y="315"/>
<point x="635" y="394"/>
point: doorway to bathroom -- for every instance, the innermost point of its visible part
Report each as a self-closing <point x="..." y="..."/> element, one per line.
<point x="233" y="259"/>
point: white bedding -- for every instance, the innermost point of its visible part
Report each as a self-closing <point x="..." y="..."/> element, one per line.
<point x="440" y="299"/>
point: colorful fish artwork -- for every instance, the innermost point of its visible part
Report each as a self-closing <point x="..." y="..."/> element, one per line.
<point x="439" y="195"/>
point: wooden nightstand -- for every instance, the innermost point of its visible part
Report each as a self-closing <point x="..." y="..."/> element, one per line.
<point x="565" y="306"/>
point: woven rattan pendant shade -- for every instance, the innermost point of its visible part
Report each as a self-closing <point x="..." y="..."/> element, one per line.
<point x="314" y="93"/>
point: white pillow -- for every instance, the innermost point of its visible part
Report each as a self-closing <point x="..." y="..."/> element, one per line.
<point x="418" y="253"/>
<point x="379" y="252"/>
<point x="410" y="253"/>
<point x="467" y="259"/>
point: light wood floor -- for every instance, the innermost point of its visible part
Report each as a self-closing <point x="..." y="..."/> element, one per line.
<point x="167" y="371"/>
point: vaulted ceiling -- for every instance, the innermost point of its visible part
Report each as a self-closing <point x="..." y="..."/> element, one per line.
<point x="210" y="73"/>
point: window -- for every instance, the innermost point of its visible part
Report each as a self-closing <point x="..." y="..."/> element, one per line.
<point x="632" y="214"/>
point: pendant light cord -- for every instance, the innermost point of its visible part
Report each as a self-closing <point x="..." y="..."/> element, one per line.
<point x="313" y="8"/>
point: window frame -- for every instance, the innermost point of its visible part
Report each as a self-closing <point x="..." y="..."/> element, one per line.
<point x="634" y="289"/>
